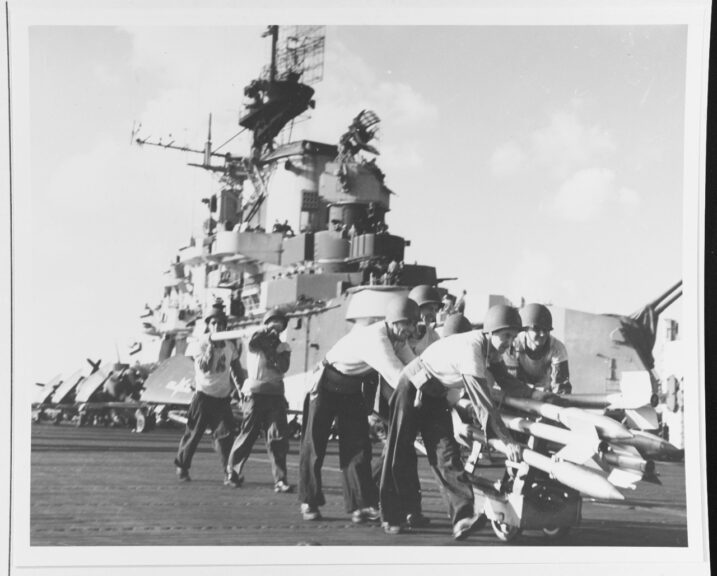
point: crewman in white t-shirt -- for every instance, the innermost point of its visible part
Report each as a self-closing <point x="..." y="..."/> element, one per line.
<point x="459" y="361"/>
<point x="215" y="365"/>
<point x="351" y="363"/>
<point x="265" y="405"/>
<point x="536" y="356"/>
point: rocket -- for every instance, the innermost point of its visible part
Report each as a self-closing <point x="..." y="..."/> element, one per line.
<point x="616" y="401"/>
<point x="624" y="464"/>
<point x="574" y="476"/>
<point x="571" y="417"/>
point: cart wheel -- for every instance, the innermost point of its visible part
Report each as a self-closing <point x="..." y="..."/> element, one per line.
<point x="505" y="532"/>
<point x="556" y="532"/>
<point x="141" y="418"/>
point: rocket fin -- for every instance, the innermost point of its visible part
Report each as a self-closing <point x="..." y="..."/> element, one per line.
<point x="627" y="450"/>
<point x="623" y="478"/>
<point x="577" y="452"/>
<point x="644" y="418"/>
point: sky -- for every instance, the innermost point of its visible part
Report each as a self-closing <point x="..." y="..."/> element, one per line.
<point x="541" y="162"/>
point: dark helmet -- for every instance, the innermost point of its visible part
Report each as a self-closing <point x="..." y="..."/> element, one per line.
<point x="276" y="313"/>
<point x="536" y="316"/>
<point x="217" y="312"/>
<point x="402" y="308"/>
<point x="501" y="316"/>
<point x="456" y="324"/>
<point x="425" y="294"/>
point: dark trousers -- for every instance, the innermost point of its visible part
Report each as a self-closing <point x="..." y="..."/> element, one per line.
<point x="206" y="412"/>
<point x="354" y="448"/>
<point x="400" y="491"/>
<point x="267" y="413"/>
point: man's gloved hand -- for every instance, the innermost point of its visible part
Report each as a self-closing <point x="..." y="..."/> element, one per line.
<point x="514" y="451"/>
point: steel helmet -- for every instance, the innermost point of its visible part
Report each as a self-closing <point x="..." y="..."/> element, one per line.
<point x="217" y="311"/>
<point x="456" y="324"/>
<point x="276" y="313"/>
<point x="501" y="316"/>
<point x="425" y="294"/>
<point x="402" y="309"/>
<point x="537" y="316"/>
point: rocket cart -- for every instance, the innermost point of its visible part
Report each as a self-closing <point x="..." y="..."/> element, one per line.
<point x="527" y="499"/>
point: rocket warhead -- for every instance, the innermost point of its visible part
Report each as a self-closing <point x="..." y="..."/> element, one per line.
<point x="654" y="447"/>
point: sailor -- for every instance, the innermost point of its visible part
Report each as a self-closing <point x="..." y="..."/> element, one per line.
<point x="429" y="304"/>
<point x="265" y="405"/>
<point x="215" y="365"/>
<point x="537" y="357"/>
<point x="337" y="394"/>
<point x="428" y="300"/>
<point x="419" y="404"/>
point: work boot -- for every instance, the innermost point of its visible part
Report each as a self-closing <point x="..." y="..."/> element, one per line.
<point x="309" y="512"/>
<point x="417" y="520"/>
<point x="282" y="487"/>
<point x="183" y="474"/>
<point x="233" y="479"/>
<point x="392" y="529"/>
<point x="362" y="515"/>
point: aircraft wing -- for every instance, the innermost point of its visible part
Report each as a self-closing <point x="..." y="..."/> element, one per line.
<point x="43" y="394"/>
<point x="92" y="383"/>
<point x="172" y="382"/>
<point x="66" y="387"/>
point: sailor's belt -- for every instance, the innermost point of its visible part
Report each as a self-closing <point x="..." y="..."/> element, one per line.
<point x="340" y="383"/>
<point x="422" y="379"/>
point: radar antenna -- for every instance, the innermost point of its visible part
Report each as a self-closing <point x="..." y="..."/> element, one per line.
<point x="283" y="92"/>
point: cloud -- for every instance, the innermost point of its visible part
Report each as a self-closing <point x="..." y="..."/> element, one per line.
<point x="561" y="147"/>
<point x="628" y="197"/>
<point x="186" y="85"/>
<point x="577" y="157"/>
<point x="588" y="193"/>
<point x="567" y="144"/>
<point x="507" y="158"/>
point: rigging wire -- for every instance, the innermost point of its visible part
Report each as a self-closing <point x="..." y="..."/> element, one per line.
<point x="230" y="139"/>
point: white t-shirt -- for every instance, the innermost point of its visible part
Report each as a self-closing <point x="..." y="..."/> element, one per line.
<point x="368" y="348"/>
<point x="540" y="371"/>
<point x="212" y="378"/>
<point x="469" y="353"/>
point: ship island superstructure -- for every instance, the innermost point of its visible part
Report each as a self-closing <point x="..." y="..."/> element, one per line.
<point x="300" y="225"/>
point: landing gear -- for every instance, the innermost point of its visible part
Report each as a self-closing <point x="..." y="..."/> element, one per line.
<point x="144" y="422"/>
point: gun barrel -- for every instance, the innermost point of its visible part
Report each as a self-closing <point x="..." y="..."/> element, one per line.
<point x="662" y="297"/>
